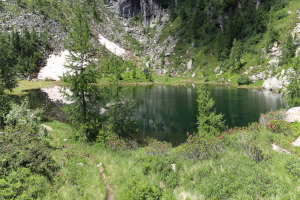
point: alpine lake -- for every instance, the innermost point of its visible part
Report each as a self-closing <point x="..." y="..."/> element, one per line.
<point x="167" y="113"/>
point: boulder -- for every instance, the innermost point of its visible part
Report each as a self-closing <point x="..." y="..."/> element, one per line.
<point x="272" y="84"/>
<point x="217" y="69"/>
<point x="48" y="128"/>
<point x="189" y="65"/>
<point x="293" y="115"/>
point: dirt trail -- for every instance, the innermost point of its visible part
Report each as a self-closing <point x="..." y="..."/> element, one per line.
<point x="109" y="190"/>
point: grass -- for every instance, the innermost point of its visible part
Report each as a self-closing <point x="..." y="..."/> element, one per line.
<point x="76" y="181"/>
<point x="24" y="86"/>
<point x="232" y="174"/>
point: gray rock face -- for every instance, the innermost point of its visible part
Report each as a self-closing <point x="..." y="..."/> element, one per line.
<point x="272" y="84"/>
<point x="33" y="20"/>
<point x="150" y="11"/>
<point x="125" y="8"/>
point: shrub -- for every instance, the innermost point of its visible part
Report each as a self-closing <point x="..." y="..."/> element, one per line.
<point x="21" y="184"/>
<point x="272" y="116"/>
<point x="243" y="80"/>
<point x="155" y="147"/>
<point x="121" y="118"/>
<point x="294" y="90"/>
<point x="293" y="167"/>
<point x="20" y="147"/>
<point x="165" y="168"/>
<point x="275" y="121"/>
<point x="256" y="147"/>
<point x="278" y="126"/>
<point x="199" y="148"/>
<point x="22" y="116"/>
<point x="142" y="189"/>
<point x="119" y="144"/>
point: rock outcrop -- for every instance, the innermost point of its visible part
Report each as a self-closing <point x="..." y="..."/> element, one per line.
<point x="33" y="20"/>
<point x="293" y="115"/>
<point x="149" y="10"/>
<point x="272" y="84"/>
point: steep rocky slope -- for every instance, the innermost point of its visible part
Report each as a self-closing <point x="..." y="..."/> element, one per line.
<point x="163" y="36"/>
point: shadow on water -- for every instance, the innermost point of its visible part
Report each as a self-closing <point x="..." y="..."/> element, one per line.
<point x="168" y="112"/>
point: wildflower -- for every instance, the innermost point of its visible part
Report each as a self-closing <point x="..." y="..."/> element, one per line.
<point x="181" y="143"/>
<point x="215" y="144"/>
<point x="191" y="141"/>
<point x="21" y="136"/>
<point x="187" y="133"/>
<point x="10" y="125"/>
<point x="58" y="174"/>
<point x="219" y="137"/>
<point x="273" y="127"/>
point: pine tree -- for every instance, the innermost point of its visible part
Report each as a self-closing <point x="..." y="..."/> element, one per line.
<point x="288" y="49"/>
<point x="7" y="76"/>
<point x="81" y="77"/>
<point x="209" y="123"/>
<point x="236" y="55"/>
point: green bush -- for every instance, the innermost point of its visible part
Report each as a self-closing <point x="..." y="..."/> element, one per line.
<point x="256" y="142"/>
<point x="20" y="147"/>
<point x="293" y="90"/>
<point x="116" y="143"/>
<point x="199" y="148"/>
<point x="162" y="167"/>
<point x="121" y="118"/>
<point x="142" y="189"/>
<point x="22" y="116"/>
<point x="293" y="167"/>
<point x="22" y="184"/>
<point x="243" y="80"/>
<point x="155" y="147"/>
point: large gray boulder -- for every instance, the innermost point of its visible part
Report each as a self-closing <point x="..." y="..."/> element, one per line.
<point x="272" y="84"/>
<point x="293" y="115"/>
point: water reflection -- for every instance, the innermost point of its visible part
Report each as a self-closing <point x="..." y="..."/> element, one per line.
<point x="168" y="112"/>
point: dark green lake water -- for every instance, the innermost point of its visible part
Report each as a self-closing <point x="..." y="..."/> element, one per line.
<point x="168" y="112"/>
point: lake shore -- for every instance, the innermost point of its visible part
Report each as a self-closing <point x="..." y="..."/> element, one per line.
<point x="25" y="85"/>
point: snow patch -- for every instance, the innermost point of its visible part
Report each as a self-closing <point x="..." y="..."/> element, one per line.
<point x="112" y="47"/>
<point x="55" y="66"/>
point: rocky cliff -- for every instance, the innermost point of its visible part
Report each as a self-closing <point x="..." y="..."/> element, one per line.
<point x="149" y="10"/>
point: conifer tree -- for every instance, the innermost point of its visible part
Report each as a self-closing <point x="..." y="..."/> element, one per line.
<point x="236" y="55"/>
<point x="209" y="123"/>
<point x="81" y="77"/>
<point x="7" y="76"/>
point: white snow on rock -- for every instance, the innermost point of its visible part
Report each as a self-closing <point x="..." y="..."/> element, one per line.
<point x="55" y="67"/>
<point x="293" y="115"/>
<point x="112" y="47"/>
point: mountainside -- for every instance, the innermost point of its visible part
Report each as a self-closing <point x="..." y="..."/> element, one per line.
<point x="205" y="40"/>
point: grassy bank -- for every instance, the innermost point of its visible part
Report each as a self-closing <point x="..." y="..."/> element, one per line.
<point x="231" y="173"/>
<point x="24" y="86"/>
